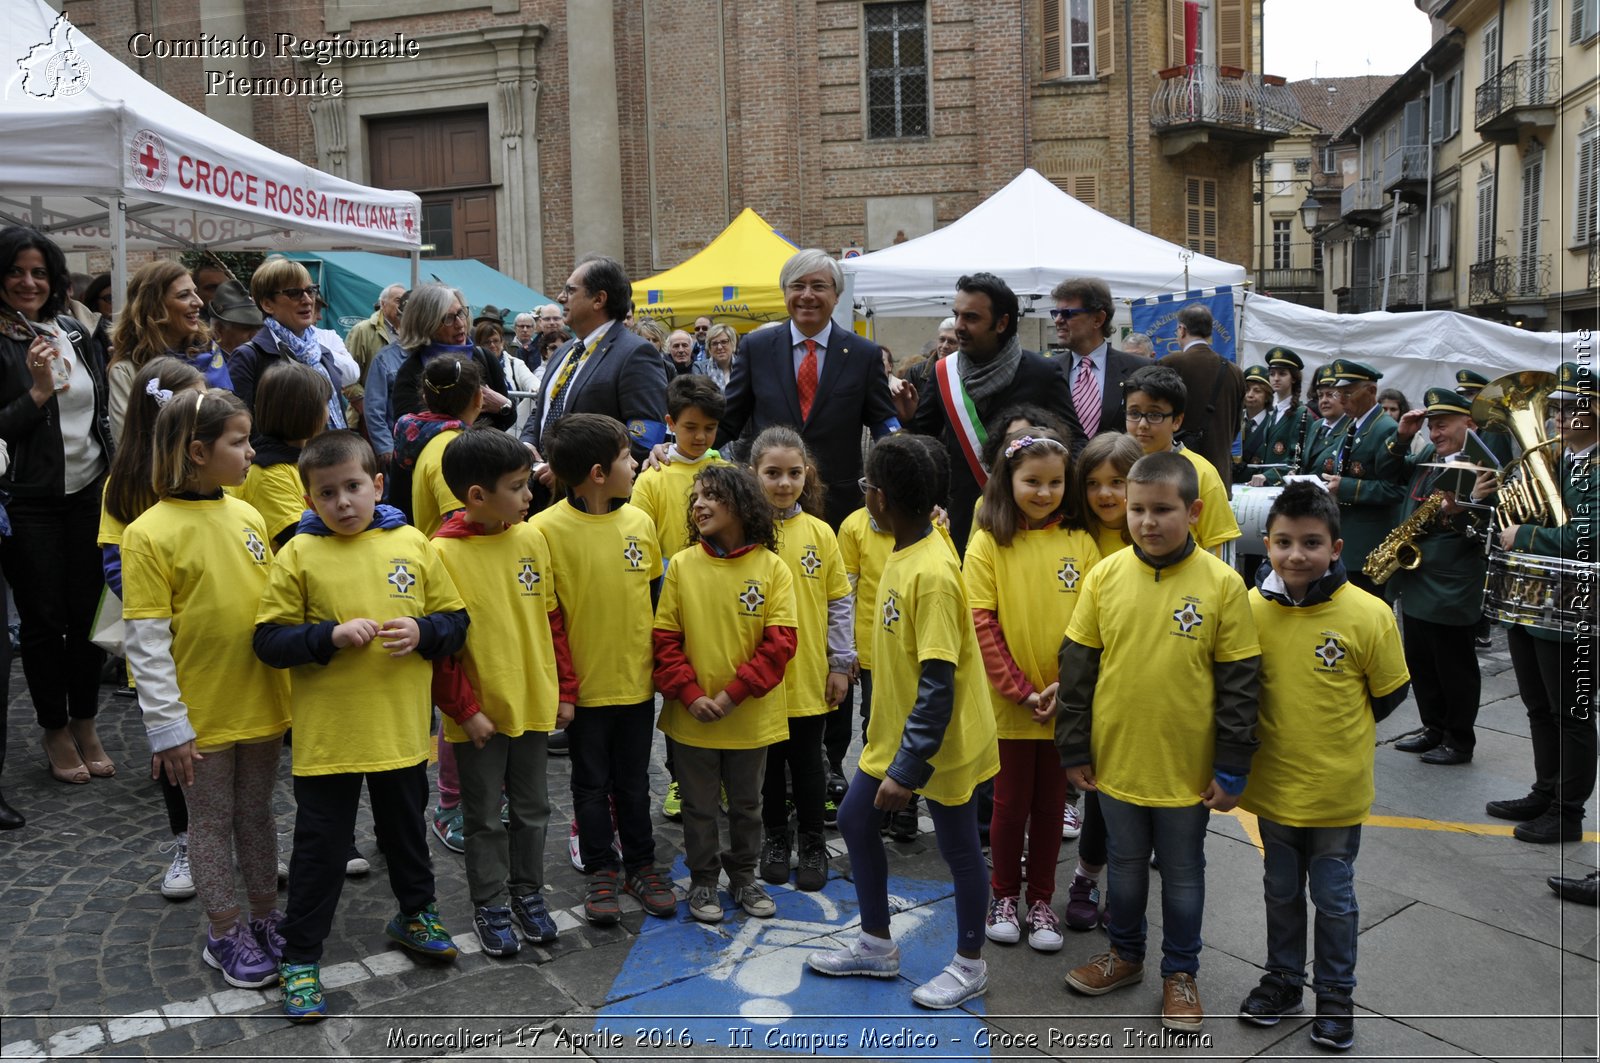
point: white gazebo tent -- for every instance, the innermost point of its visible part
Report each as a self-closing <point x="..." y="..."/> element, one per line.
<point x="1033" y="235"/>
<point x="97" y="157"/>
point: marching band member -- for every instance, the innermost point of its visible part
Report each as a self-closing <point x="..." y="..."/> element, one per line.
<point x="1367" y="499"/>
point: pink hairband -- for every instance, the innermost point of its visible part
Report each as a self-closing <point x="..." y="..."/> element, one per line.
<point x="1024" y="442"/>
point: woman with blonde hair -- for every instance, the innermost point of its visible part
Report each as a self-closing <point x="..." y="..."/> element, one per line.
<point x="283" y="291"/>
<point x="160" y="317"/>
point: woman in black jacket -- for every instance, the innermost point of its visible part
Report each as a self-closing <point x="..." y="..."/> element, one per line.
<point x="53" y="420"/>
<point x="434" y="322"/>
<point x="282" y="289"/>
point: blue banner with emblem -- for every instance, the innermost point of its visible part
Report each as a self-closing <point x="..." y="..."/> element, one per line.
<point x="1157" y="317"/>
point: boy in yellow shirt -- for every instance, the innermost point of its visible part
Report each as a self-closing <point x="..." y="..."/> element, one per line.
<point x="1155" y="396"/>
<point x="1161" y="618"/>
<point x="610" y="566"/>
<point x="359" y="697"/>
<point x="510" y="685"/>
<point x="1332" y="666"/>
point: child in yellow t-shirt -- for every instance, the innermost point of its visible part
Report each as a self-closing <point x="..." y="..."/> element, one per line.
<point x="511" y="683"/>
<point x="1163" y="616"/>
<point x="1332" y="666"/>
<point x="1155" y="396"/>
<point x="694" y="408"/>
<point x="818" y="678"/>
<point x="291" y="407"/>
<point x="193" y="566"/>
<point x="1025" y="563"/>
<point x="932" y="731"/>
<point x="724" y="635"/>
<point x="360" y="693"/>
<point x="452" y="391"/>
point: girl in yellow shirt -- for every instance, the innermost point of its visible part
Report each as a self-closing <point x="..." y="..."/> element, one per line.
<point x="931" y="732"/>
<point x="1024" y="565"/>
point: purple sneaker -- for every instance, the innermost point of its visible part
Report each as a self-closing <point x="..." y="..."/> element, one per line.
<point x="1083" y="903"/>
<point x="267" y="936"/>
<point x="240" y="958"/>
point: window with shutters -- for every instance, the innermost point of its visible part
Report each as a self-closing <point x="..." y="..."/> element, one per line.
<point x="897" y="70"/>
<point x="1528" y="270"/>
<point x="1538" y="50"/>
<point x="1585" y="20"/>
<point x="1444" y="109"/>
<point x="1200" y="211"/>
<point x="1485" y="249"/>
<point x="1441" y="235"/>
<point x="1586" y="220"/>
<point x="1282" y="243"/>
<point x="1077" y="38"/>
<point x="1085" y="188"/>
<point x="1330" y="159"/>
<point x="1491" y="50"/>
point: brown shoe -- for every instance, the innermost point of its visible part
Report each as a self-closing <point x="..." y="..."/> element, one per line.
<point x="1103" y="973"/>
<point x="1180" y="1003"/>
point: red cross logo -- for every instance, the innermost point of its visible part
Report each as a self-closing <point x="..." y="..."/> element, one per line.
<point x="149" y="160"/>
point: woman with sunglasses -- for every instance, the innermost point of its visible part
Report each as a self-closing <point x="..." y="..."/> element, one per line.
<point x="282" y="289"/>
<point x="433" y="323"/>
<point x="53" y="421"/>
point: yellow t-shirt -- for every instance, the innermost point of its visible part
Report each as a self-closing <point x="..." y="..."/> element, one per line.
<point x="1321" y="666"/>
<point x="1216" y="525"/>
<point x="431" y="497"/>
<point x="202" y="565"/>
<point x="663" y="493"/>
<point x="1153" y="735"/>
<point x="509" y="587"/>
<point x="921" y="615"/>
<point x="1109" y="540"/>
<point x="864" y="551"/>
<point x="364" y="710"/>
<point x="1033" y="585"/>
<point x="278" y="494"/>
<point x="606" y="562"/>
<point x="808" y="546"/>
<point x="111" y="529"/>
<point x="722" y="605"/>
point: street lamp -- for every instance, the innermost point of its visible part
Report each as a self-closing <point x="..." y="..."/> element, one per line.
<point x="1308" y="213"/>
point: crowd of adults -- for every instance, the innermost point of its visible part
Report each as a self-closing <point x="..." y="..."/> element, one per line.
<point x="68" y="370"/>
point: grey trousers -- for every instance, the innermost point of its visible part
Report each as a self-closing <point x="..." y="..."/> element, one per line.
<point x="501" y="855"/>
<point x="701" y="774"/>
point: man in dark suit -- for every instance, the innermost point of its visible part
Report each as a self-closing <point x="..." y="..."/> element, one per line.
<point x="1367" y="500"/>
<point x="1216" y="391"/>
<point x="994" y="372"/>
<point x="1094" y="369"/>
<point x="815" y="376"/>
<point x="606" y="369"/>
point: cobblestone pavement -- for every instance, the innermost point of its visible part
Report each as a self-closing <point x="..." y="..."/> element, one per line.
<point x="1465" y="953"/>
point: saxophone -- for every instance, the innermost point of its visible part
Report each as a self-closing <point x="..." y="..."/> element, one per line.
<point x="1399" y="548"/>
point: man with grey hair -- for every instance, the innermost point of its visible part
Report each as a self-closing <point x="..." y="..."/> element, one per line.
<point x="1139" y="343"/>
<point x="823" y="380"/>
<point x="1094" y="369"/>
<point x="523" y="344"/>
<point x="552" y="318"/>
<point x="945" y="343"/>
<point x="366" y="339"/>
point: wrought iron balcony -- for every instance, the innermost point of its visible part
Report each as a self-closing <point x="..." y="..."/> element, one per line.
<point x="1361" y="202"/>
<point x="1274" y="281"/>
<point x="1523" y="93"/>
<point x="1358" y="299"/>
<point x="1196" y="104"/>
<point x="1405" y="289"/>
<point x="1406" y="170"/>
<point x="1594" y="262"/>
<point x="1508" y="278"/>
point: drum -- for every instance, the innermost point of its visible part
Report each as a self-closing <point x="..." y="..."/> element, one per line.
<point x="1250" y="508"/>
<point x="1544" y="593"/>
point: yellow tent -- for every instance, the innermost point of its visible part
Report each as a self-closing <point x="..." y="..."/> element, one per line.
<point x="734" y="279"/>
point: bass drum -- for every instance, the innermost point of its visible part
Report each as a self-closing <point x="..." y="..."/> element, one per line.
<point x="1250" y="508"/>
<point x="1543" y="593"/>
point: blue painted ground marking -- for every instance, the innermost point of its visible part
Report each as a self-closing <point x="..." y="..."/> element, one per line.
<point x="749" y="976"/>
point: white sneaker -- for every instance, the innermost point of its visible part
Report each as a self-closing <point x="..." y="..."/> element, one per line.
<point x="951" y="988"/>
<point x="1001" y="925"/>
<point x="572" y="848"/>
<point x="1044" y="930"/>
<point x="856" y="961"/>
<point x="178" y="883"/>
<point x="1071" y="822"/>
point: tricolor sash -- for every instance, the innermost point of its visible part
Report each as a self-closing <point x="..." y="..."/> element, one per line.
<point x="962" y="414"/>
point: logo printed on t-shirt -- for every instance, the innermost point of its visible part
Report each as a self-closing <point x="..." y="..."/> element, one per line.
<point x="632" y="554"/>
<point x="257" y="548"/>
<point x="528" y="576"/>
<point x="401" y="578"/>
<point x="751" y="597"/>
<point x="1330" y="653"/>
<point x="891" y="610"/>
<point x="1188" y="617"/>
<point x="1068" y="574"/>
<point x="810" y="562"/>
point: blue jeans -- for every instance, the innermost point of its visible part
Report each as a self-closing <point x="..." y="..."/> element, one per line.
<point x="1326" y="856"/>
<point x="1178" y="837"/>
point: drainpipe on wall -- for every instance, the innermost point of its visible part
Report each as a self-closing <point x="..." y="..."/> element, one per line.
<point x="1127" y="72"/>
<point x="1423" y="258"/>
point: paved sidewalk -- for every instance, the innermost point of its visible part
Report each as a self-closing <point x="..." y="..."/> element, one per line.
<point x="1464" y="951"/>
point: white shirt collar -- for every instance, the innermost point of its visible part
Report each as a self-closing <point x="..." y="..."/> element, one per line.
<point x="1579" y="455"/>
<point x="1096" y="357"/>
<point x="796" y="337"/>
<point x="594" y="337"/>
<point x="1282" y="405"/>
<point x="1191" y="341"/>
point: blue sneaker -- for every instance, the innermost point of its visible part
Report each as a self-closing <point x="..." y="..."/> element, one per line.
<point x="422" y="933"/>
<point x="493" y="924"/>
<point x="534" y="918"/>
<point x="240" y="958"/>
<point x="302" y="992"/>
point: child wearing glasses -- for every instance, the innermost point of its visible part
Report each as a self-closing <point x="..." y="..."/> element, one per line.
<point x="1154" y="399"/>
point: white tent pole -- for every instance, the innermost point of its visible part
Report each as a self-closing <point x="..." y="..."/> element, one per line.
<point x="416" y="267"/>
<point x="119" y="251"/>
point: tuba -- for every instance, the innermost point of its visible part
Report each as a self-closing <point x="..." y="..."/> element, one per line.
<point x="1518" y="402"/>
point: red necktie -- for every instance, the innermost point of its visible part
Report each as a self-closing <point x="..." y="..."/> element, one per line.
<point x="805" y="380"/>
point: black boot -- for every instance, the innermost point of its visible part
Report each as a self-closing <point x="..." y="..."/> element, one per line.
<point x="10" y="818"/>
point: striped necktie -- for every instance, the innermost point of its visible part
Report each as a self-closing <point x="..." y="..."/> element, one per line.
<point x="1086" y="398"/>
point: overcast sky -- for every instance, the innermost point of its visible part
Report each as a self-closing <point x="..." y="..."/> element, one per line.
<point x="1309" y="38"/>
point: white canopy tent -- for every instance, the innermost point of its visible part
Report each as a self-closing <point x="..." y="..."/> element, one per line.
<point x="1033" y="235"/>
<point x="100" y="158"/>
<point x="1414" y="351"/>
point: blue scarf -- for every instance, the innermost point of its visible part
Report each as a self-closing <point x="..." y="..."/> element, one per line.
<point x="307" y="351"/>
<point x="386" y="517"/>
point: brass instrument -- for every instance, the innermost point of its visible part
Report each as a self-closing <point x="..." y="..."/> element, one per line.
<point x="1517" y="401"/>
<point x="1399" y="549"/>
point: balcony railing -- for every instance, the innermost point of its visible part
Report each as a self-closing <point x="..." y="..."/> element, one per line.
<point x="1405" y="165"/>
<point x="1359" y="299"/>
<point x="1362" y="196"/>
<point x="1520" y="83"/>
<point x="1594" y="262"/>
<point x="1289" y="280"/>
<point x="1508" y="277"/>
<point x="1223" y="96"/>
<point x="1405" y="289"/>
